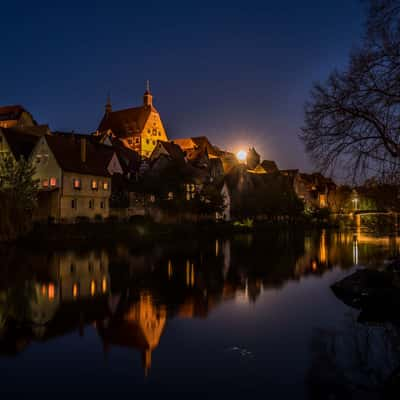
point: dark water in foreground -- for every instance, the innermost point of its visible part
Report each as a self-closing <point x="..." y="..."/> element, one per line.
<point x="211" y="318"/>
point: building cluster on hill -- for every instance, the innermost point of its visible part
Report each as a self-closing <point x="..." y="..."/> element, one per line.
<point x="129" y="166"/>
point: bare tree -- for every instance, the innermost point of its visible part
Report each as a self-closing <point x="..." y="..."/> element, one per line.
<point x="353" y="119"/>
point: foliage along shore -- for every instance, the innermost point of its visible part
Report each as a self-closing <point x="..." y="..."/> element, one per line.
<point x="140" y="231"/>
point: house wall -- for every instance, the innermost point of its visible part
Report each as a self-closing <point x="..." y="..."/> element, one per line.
<point x="46" y="166"/>
<point x="83" y="196"/>
<point x="153" y="130"/>
<point x="4" y="148"/>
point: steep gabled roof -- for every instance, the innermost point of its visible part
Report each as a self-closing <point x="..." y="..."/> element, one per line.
<point x="12" y="113"/>
<point x="269" y="166"/>
<point x="174" y="151"/>
<point x="67" y="151"/>
<point x="126" y="122"/>
<point x="199" y="142"/>
<point x="21" y="144"/>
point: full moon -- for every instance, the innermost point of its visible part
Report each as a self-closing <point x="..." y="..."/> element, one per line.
<point x="241" y="155"/>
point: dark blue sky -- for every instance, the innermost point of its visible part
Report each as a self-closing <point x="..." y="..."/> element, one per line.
<point x="238" y="72"/>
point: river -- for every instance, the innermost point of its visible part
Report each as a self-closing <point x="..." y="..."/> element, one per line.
<point x="251" y="315"/>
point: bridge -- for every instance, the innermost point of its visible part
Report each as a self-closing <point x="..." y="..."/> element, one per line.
<point x="357" y="214"/>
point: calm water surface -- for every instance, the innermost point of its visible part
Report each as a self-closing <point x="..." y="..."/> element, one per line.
<point x="250" y="315"/>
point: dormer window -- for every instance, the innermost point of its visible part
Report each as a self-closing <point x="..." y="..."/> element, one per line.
<point x="77" y="184"/>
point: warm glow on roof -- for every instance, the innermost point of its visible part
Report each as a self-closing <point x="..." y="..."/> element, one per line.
<point x="241" y="155"/>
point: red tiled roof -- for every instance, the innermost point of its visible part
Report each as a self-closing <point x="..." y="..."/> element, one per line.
<point x="11" y="112"/>
<point x="21" y="144"/>
<point x="67" y="151"/>
<point x="126" y="122"/>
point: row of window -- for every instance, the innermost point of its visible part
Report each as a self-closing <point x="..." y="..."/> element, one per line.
<point x="92" y="204"/>
<point x="94" y="184"/>
<point x="76" y="183"/>
<point x="92" y="288"/>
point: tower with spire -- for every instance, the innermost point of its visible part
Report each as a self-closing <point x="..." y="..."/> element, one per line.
<point x="147" y="97"/>
<point x="137" y="128"/>
<point x="108" y="106"/>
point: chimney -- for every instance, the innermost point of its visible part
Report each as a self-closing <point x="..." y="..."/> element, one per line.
<point x="83" y="150"/>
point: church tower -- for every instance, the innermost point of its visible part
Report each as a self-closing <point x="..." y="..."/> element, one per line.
<point x="147" y="97"/>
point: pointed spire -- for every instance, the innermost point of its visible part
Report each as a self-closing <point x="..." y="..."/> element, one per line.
<point x="108" y="105"/>
<point x="147" y="97"/>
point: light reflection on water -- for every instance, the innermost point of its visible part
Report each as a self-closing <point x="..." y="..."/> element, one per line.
<point x="236" y="315"/>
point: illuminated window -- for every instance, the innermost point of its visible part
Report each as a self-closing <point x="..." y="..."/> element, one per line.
<point x="105" y="185"/>
<point x="92" y="288"/>
<point x="77" y="184"/>
<point x="45" y="183"/>
<point x="51" y="292"/>
<point x="53" y="182"/>
<point x="75" y="290"/>
<point x="170" y="196"/>
<point x="104" y="285"/>
<point x="95" y="185"/>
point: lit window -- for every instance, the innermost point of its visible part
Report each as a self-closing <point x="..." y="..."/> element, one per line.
<point x="45" y="183"/>
<point x="75" y="290"/>
<point x="105" y="185"/>
<point x="104" y="285"/>
<point x="170" y="196"/>
<point x="51" y="291"/>
<point x="53" y="182"/>
<point x="95" y="185"/>
<point x="92" y="288"/>
<point x="77" y="184"/>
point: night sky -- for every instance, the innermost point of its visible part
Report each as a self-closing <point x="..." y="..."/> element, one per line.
<point x="238" y="73"/>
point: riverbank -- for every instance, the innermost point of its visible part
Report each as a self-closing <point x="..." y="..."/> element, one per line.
<point x="140" y="232"/>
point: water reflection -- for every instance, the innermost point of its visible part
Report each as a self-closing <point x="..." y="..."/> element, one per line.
<point x="129" y="297"/>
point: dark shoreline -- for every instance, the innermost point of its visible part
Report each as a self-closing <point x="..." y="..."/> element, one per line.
<point x="142" y="234"/>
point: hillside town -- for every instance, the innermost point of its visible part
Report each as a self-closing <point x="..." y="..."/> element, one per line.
<point x="129" y="166"/>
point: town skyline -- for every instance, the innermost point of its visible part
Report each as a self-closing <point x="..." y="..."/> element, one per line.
<point x="250" y="91"/>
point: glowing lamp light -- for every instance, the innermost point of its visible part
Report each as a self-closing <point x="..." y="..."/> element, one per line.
<point x="241" y="155"/>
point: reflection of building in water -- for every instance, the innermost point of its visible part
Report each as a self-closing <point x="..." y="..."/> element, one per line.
<point x="68" y="277"/>
<point x="140" y="326"/>
<point x="83" y="276"/>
